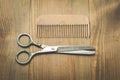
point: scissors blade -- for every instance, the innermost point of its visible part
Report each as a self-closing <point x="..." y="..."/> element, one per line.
<point x="76" y="50"/>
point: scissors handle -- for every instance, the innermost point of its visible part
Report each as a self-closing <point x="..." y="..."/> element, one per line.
<point x="20" y="53"/>
<point x="30" y="42"/>
<point x="29" y="55"/>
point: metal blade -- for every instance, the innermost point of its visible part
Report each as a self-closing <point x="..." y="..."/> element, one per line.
<point x="76" y="50"/>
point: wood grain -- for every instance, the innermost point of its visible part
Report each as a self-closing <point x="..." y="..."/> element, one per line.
<point x="105" y="21"/>
<point x="14" y="19"/>
<point x="18" y="16"/>
<point x="57" y="66"/>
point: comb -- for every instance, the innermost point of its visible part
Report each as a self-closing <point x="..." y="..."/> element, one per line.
<point x="63" y="26"/>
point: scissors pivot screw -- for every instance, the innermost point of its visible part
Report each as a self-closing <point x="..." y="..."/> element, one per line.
<point x="52" y="48"/>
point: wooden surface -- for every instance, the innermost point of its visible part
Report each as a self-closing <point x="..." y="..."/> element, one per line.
<point x="18" y="16"/>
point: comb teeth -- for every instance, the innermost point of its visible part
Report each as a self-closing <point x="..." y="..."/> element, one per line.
<point x="63" y="26"/>
<point x="63" y="31"/>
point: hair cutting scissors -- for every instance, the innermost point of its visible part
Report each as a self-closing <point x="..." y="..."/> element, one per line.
<point x="85" y="50"/>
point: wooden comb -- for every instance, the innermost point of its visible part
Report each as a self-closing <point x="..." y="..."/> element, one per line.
<point x="63" y="26"/>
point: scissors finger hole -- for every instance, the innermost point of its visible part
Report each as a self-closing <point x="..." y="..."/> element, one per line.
<point x="23" y="56"/>
<point x="24" y="40"/>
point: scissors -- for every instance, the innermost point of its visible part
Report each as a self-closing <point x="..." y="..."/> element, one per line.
<point x="84" y="50"/>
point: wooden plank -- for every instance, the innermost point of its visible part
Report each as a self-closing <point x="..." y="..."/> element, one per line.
<point x="14" y="19"/>
<point x="58" y="66"/>
<point x="105" y="20"/>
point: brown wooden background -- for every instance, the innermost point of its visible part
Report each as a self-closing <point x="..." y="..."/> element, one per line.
<point x="18" y="16"/>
